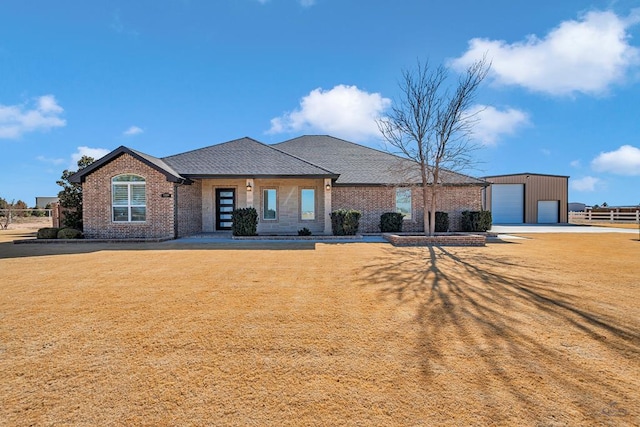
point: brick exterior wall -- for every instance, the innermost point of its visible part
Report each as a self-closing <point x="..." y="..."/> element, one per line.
<point x="96" y="194"/>
<point x="196" y="204"/>
<point x="288" y="218"/>
<point x="189" y="199"/>
<point x="373" y="201"/>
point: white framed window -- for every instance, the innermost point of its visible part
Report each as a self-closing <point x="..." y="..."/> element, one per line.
<point x="270" y="204"/>
<point x="403" y="202"/>
<point x="128" y="198"/>
<point x="308" y="204"/>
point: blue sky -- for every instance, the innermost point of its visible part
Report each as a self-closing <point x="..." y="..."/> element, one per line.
<point x="167" y="76"/>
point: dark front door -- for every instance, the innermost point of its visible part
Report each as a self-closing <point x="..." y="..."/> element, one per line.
<point x="225" y="204"/>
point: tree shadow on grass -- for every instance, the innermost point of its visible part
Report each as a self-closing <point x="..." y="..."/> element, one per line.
<point x="513" y="328"/>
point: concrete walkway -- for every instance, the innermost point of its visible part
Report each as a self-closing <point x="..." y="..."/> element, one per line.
<point x="502" y="231"/>
<point x="228" y="239"/>
<point x="558" y="228"/>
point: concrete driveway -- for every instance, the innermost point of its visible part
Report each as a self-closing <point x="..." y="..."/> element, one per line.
<point x="556" y="228"/>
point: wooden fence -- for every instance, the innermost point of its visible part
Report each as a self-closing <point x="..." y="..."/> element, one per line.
<point x="605" y="216"/>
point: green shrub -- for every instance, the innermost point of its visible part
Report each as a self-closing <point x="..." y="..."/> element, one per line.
<point x="245" y="222"/>
<point x="391" y="222"/>
<point x="304" y="232"/>
<point x="72" y="219"/>
<point x="442" y="222"/>
<point x="476" y="220"/>
<point x="69" y="233"/>
<point x="345" y="222"/>
<point x="48" y="233"/>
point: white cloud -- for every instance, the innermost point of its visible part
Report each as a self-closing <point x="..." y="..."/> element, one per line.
<point x="344" y="111"/>
<point x="133" y="130"/>
<point x="48" y="104"/>
<point x="623" y="161"/>
<point x="588" y="183"/>
<point x="545" y="152"/>
<point x="492" y="124"/>
<point x="585" y="55"/>
<point x="51" y="160"/>
<point x="96" y="153"/>
<point x="575" y="164"/>
<point x="16" y="120"/>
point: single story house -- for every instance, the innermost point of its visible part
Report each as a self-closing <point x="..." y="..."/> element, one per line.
<point x="529" y="198"/>
<point x="293" y="185"/>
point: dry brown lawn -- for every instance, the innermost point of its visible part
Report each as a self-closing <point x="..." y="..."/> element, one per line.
<point x="543" y="331"/>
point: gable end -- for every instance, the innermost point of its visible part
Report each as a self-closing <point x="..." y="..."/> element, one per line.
<point x="157" y="164"/>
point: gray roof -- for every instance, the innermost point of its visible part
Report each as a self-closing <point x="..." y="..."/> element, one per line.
<point x="243" y="157"/>
<point x="358" y="165"/>
<point x="159" y="163"/>
<point x="151" y="161"/>
<point x="307" y="156"/>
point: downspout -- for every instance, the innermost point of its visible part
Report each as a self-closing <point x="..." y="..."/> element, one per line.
<point x="175" y="210"/>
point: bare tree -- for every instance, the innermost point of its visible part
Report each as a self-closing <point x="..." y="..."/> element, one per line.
<point x="8" y="213"/>
<point x="432" y="125"/>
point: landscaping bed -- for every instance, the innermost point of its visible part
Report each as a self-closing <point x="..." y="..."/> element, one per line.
<point x="439" y="239"/>
<point x="296" y="237"/>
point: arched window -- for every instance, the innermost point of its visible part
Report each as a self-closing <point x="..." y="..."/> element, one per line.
<point x="128" y="198"/>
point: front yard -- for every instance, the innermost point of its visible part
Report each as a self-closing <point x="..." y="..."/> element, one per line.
<point x="540" y="331"/>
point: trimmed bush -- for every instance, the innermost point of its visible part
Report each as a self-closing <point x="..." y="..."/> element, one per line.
<point x="476" y="220"/>
<point x="345" y="222"/>
<point x="304" y="232"/>
<point x="391" y="222"/>
<point x="48" y="233"/>
<point x="442" y="222"/>
<point x="69" y="233"/>
<point x="72" y="219"/>
<point x="245" y="222"/>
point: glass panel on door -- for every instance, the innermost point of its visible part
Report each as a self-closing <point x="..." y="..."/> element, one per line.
<point x="225" y="204"/>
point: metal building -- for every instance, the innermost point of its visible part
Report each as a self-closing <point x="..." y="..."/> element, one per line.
<point x="527" y="198"/>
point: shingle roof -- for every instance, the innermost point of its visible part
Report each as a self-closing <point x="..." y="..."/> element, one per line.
<point x="243" y="157"/>
<point x="159" y="163"/>
<point x="358" y="164"/>
<point x="151" y="161"/>
<point x="309" y="156"/>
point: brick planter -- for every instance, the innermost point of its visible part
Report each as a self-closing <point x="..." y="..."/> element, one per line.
<point x="445" y="239"/>
<point x="294" y="237"/>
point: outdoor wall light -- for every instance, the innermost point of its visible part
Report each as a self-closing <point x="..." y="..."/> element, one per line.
<point x="328" y="187"/>
<point x="249" y="187"/>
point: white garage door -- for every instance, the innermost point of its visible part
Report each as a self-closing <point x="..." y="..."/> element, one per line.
<point x="548" y="211"/>
<point x="507" y="203"/>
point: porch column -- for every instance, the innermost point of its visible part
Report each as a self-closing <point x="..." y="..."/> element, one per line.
<point x="250" y="190"/>
<point x="327" y="205"/>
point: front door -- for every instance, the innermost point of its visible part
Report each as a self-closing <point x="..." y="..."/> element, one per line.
<point x="225" y="204"/>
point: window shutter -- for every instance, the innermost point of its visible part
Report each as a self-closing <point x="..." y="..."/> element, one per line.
<point x="120" y="195"/>
<point x="138" y="195"/>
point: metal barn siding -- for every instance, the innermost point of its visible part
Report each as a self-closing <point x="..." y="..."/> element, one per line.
<point x="537" y="187"/>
